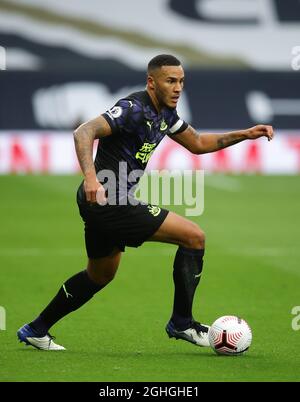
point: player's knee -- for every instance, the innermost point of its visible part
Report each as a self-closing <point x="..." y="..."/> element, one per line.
<point x="195" y="239"/>
<point x="107" y="277"/>
<point x="102" y="276"/>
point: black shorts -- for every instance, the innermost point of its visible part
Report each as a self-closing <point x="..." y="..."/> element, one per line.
<point x="110" y="226"/>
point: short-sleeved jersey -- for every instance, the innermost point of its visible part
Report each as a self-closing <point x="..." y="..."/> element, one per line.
<point x="137" y="129"/>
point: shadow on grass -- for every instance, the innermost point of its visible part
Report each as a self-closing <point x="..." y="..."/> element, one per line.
<point x="138" y="354"/>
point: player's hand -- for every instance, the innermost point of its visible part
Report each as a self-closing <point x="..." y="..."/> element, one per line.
<point x="260" y="131"/>
<point x="94" y="191"/>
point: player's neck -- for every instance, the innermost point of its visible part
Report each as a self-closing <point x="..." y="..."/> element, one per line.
<point x="154" y="100"/>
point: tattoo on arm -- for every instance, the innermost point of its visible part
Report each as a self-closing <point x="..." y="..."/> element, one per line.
<point x="201" y="143"/>
<point x="225" y="140"/>
<point x="84" y="138"/>
<point x="192" y="131"/>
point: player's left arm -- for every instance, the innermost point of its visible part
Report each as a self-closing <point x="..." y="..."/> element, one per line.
<point x="201" y="143"/>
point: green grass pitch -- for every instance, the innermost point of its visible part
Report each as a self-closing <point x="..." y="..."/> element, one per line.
<point x="251" y="269"/>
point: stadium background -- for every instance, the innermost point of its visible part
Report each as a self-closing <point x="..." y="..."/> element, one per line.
<point x="65" y="62"/>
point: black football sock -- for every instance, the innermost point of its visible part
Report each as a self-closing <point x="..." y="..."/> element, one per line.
<point x="73" y="294"/>
<point x="186" y="274"/>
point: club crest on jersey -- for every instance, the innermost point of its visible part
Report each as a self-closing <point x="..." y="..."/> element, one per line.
<point x="163" y="126"/>
<point x="115" y="112"/>
<point x="154" y="209"/>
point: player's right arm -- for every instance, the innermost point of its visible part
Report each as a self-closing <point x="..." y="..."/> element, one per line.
<point x="84" y="137"/>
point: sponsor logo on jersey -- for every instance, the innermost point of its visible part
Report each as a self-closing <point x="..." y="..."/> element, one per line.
<point x="145" y="152"/>
<point x="149" y="124"/>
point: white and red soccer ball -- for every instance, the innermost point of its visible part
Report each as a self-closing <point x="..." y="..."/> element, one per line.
<point x="230" y="335"/>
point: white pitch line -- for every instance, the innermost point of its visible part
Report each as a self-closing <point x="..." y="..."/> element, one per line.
<point x="266" y="251"/>
<point x="282" y="258"/>
<point x="251" y="252"/>
<point x="222" y="182"/>
<point x="38" y="252"/>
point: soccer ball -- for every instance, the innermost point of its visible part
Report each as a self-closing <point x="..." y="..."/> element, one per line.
<point x="230" y="335"/>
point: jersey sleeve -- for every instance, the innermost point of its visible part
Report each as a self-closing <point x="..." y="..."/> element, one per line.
<point x="124" y="116"/>
<point x="177" y="125"/>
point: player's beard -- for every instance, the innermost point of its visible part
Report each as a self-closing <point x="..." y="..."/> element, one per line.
<point x="165" y="100"/>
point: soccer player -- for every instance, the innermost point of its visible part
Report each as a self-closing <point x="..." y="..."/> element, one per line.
<point x="128" y="134"/>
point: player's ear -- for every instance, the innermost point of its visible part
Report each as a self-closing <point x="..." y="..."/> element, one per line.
<point x="150" y="82"/>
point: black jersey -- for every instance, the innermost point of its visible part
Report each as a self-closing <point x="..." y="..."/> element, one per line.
<point x="137" y="129"/>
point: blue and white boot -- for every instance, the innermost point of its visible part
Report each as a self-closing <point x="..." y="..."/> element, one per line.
<point x="197" y="333"/>
<point x="27" y="335"/>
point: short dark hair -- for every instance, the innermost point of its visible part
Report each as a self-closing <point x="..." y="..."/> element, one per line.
<point x="163" y="60"/>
